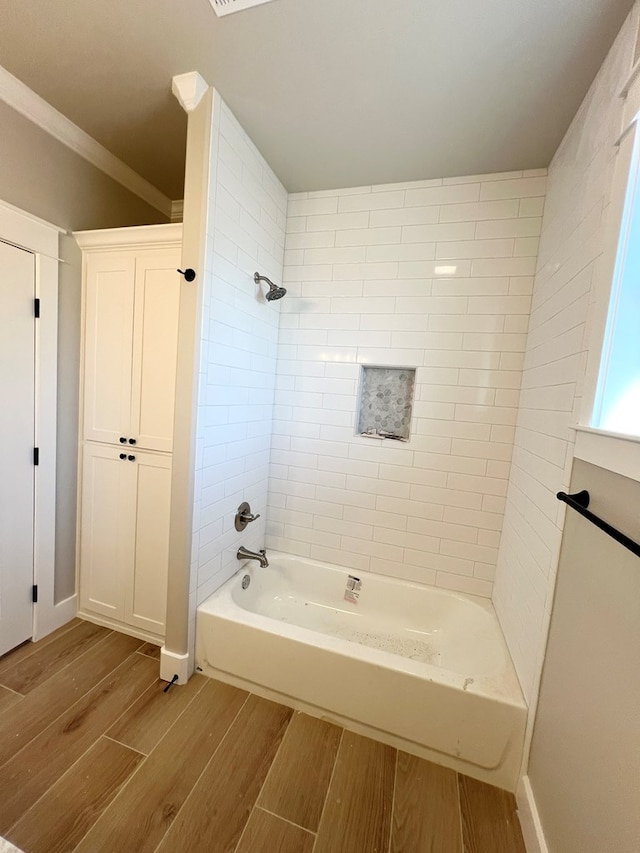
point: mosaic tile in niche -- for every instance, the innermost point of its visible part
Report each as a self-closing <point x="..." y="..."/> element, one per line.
<point x="386" y="397"/>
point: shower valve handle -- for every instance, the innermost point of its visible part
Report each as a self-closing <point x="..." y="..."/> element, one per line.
<point x="244" y="516"/>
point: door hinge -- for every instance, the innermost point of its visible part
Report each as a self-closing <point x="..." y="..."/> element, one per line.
<point x="34" y="593"/>
<point x="36" y="308"/>
<point x="36" y="455"/>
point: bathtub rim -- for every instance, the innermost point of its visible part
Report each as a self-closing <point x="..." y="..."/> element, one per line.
<point x="507" y="690"/>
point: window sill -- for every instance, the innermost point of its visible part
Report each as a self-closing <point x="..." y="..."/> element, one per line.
<point x="609" y="450"/>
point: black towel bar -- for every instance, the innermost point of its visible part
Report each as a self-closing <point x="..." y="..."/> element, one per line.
<point x="580" y="502"/>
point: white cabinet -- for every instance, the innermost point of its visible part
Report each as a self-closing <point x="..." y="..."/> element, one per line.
<point x="124" y="543"/>
<point x="131" y="294"/>
<point x="131" y="333"/>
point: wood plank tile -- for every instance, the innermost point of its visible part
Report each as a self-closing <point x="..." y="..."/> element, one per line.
<point x="21" y="723"/>
<point x="266" y="833"/>
<point x="26" y="776"/>
<point x="489" y="820"/>
<point x="59" y="819"/>
<point x="296" y="787"/>
<point x="24" y="676"/>
<point x="143" y="811"/>
<point x="357" y="814"/>
<point x="150" y="650"/>
<point x="8" y="698"/>
<point x="25" y="650"/>
<point x="232" y="781"/>
<point x="426" y="812"/>
<point x="149" y="719"/>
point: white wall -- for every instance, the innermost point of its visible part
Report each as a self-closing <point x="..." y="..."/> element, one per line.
<point x="436" y="275"/>
<point x="588" y="710"/>
<point x="245" y="234"/>
<point x="578" y="194"/>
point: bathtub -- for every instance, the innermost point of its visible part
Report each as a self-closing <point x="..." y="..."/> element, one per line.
<point x="420" y="668"/>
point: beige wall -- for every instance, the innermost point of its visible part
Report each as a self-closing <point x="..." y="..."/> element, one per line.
<point x="42" y="176"/>
<point x="585" y="757"/>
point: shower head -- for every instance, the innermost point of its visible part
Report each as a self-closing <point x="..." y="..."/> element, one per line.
<point x="274" y="291"/>
<point x="277" y="293"/>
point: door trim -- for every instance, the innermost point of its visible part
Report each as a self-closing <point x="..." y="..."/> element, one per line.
<point x="20" y="228"/>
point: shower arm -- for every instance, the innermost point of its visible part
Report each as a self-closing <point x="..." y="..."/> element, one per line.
<point x="258" y="278"/>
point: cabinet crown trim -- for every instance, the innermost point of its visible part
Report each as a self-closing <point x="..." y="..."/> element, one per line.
<point x="135" y="237"/>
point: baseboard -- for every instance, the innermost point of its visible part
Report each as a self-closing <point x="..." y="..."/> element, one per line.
<point x="172" y="664"/>
<point x="530" y="819"/>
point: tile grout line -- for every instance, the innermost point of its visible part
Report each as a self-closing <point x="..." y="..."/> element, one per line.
<point x="326" y="796"/>
<point x="186" y="799"/>
<point x="255" y="802"/>
<point x="91" y="745"/>
<point x="60" y="778"/>
<point x="66" y="710"/>
<point x="62" y="668"/>
<point x="462" y="846"/>
<point x="244" y="828"/>
<point x="15" y="692"/>
<point x="125" y="745"/>
<point x="40" y="644"/>
<point x="297" y="825"/>
<point x="152" y="687"/>
<point x="128" y="780"/>
<point x="275" y="758"/>
<point x="393" y="798"/>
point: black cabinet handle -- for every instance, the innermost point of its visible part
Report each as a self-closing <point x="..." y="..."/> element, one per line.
<point x="123" y="440"/>
<point x="131" y="458"/>
<point x="123" y="456"/>
<point x="132" y="441"/>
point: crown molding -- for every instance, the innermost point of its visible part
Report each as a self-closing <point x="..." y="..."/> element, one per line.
<point x="189" y="89"/>
<point x="177" y="210"/>
<point x="139" y="236"/>
<point x="25" y="101"/>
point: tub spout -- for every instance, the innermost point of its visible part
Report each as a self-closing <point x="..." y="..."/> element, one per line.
<point x="260" y="556"/>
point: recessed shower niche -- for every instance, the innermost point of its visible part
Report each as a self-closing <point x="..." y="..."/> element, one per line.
<point x="386" y="401"/>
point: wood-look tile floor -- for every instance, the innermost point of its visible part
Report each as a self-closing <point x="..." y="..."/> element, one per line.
<point x="96" y="758"/>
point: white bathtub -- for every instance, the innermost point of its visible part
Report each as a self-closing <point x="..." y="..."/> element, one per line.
<point x="421" y="668"/>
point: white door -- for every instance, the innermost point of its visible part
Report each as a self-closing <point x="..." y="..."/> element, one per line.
<point x="156" y="313"/>
<point x="146" y="602"/>
<point x="107" y="531"/>
<point x="17" y="439"/>
<point x="108" y="346"/>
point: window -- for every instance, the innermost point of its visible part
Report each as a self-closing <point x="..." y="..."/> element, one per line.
<point x="617" y="401"/>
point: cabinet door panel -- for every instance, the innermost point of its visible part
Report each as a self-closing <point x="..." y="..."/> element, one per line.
<point x="108" y="345"/>
<point x="147" y="593"/>
<point x="157" y="298"/>
<point x="106" y="534"/>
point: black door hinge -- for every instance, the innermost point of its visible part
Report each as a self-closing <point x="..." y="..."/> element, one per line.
<point x="36" y="308"/>
<point x="34" y="593"/>
<point x="36" y="455"/>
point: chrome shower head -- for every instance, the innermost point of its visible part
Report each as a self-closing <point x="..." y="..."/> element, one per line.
<point x="274" y="291"/>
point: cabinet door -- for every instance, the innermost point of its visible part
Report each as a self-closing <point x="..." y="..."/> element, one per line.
<point x="146" y="601"/>
<point x="109" y="282"/>
<point x="156" y="315"/>
<point x="107" y="530"/>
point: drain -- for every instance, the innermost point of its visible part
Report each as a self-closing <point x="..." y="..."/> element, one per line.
<point x="246" y="580"/>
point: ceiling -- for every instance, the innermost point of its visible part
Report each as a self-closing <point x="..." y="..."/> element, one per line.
<point x="333" y="92"/>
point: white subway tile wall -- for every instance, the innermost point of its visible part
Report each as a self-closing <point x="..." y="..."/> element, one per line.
<point x="579" y="188"/>
<point x="434" y="275"/>
<point x="247" y="216"/>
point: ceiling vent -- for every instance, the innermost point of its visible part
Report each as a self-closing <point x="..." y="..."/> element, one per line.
<point x="227" y="7"/>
